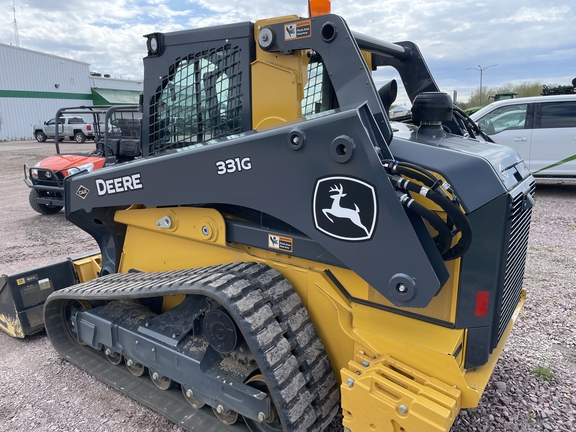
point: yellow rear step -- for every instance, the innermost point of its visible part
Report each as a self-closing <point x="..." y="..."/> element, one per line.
<point x="385" y="395"/>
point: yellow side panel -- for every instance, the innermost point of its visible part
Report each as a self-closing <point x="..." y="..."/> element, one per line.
<point x="443" y="306"/>
<point x="277" y="83"/>
<point x="332" y="316"/>
<point x="152" y="248"/>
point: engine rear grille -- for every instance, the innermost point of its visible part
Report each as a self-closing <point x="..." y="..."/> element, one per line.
<point x="515" y="260"/>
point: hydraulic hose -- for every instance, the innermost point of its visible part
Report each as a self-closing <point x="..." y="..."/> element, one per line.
<point x="444" y="238"/>
<point x="453" y="212"/>
<point x="420" y="174"/>
<point x="469" y="124"/>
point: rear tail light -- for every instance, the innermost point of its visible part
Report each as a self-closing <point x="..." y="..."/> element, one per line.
<point x="482" y="298"/>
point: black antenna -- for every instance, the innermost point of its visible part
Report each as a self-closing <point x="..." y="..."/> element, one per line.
<point x="15" y="24"/>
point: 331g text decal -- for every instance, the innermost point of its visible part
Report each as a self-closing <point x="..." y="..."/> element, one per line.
<point x="230" y="166"/>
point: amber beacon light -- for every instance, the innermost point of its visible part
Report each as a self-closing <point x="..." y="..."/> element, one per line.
<point x="318" y="7"/>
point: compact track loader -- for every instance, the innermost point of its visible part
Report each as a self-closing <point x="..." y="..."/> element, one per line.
<point x="282" y="252"/>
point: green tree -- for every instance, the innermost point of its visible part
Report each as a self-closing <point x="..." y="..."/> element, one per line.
<point x="524" y="90"/>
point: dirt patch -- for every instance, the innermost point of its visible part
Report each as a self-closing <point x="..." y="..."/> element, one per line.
<point x="29" y="239"/>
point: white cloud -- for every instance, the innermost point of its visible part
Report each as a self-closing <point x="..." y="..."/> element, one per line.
<point x="535" y="15"/>
<point x="523" y="38"/>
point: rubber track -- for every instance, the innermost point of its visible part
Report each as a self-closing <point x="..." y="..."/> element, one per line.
<point x="268" y="312"/>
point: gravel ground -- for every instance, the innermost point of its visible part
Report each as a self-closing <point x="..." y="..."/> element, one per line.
<point x="533" y="387"/>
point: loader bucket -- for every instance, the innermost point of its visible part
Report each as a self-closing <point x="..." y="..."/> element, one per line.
<point x="22" y="296"/>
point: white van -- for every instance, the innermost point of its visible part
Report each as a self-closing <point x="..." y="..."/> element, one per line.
<point x="542" y="129"/>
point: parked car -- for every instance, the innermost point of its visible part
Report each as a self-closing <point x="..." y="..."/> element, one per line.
<point x="74" y="127"/>
<point x="542" y="129"/>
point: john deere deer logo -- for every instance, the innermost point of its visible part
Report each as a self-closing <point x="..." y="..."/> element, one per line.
<point x="345" y="216"/>
<point x="345" y="213"/>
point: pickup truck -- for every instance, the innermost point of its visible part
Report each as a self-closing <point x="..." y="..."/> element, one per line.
<point x="74" y="128"/>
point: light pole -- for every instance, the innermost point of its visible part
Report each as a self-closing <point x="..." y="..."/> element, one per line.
<point x="481" y="69"/>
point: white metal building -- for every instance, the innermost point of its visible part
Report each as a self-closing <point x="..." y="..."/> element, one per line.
<point x="34" y="85"/>
<point x="113" y="91"/>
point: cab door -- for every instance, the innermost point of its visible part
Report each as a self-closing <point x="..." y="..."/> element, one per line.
<point x="553" y="149"/>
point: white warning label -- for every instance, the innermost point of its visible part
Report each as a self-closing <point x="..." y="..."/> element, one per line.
<point x="298" y="30"/>
<point x="280" y="242"/>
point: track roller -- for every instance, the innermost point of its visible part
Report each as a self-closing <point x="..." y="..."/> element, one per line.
<point x="135" y="368"/>
<point x="227" y="417"/>
<point x="189" y="396"/>
<point x="162" y="382"/>
<point x="113" y="357"/>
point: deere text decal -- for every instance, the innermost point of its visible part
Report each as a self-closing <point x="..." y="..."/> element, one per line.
<point x="119" y="184"/>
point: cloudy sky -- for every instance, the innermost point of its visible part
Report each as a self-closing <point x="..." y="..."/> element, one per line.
<point x="528" y="40"/>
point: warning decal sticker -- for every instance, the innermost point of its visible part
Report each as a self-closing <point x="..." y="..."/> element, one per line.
<point x="26" y="280"/>
<point x="280" y="242"/>
<point x="45" y="284"/>
<point x="298" y="30"/>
